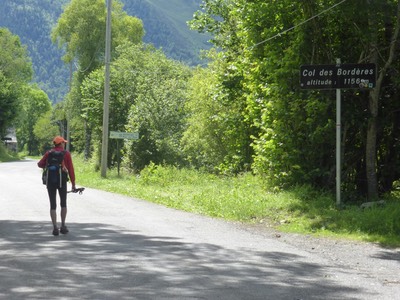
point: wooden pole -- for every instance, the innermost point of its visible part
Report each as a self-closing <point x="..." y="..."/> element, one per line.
<point x="104" y="146"/>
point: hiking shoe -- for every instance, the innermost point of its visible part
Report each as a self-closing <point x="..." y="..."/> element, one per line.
<point x="64" y="230"/>
<point x="55" y="231"/>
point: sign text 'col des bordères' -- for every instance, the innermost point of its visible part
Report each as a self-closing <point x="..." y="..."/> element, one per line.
<point x="341" y="76"/>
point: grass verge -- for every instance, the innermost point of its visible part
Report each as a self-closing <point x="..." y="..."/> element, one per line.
<point x="245" y="198"/>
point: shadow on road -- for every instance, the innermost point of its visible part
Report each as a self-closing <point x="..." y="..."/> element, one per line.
<point x="389" y="255"/>
<point x="97" y="261"/>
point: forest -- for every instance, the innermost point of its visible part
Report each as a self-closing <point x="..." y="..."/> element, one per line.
<point x="245" y="111"/>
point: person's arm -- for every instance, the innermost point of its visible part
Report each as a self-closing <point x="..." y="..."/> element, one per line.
<point x="43" y="162"/>
<point x="70" y="167"/>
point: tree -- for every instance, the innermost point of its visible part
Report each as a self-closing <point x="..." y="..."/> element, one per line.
<point x="83" y="16"/>
<point x="9" y="104"/>
<point x="34" y="104"/>
<point x="147" y="95"/>
<point x="15" y="72"/>
<point x="158" y="112"/>
<point x="45" y="130"/>
<point x="15" y="63"/>
<point x="202" y="140"/>
<point x="232" y="125"/>
<point x="71" y="32"/>
<point x="384" y="59"/>
<point x="217" y="136"/>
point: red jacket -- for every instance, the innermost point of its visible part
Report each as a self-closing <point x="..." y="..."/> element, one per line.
<point x="67" y="163"/>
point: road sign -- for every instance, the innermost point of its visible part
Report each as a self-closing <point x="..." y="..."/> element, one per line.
<point x="341" y="76"/>
<point x="124" y="135"/>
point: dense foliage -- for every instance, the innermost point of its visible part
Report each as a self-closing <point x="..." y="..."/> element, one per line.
<point x="293" y="131"/>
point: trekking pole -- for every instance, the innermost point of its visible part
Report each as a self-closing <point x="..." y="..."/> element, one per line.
<point x="77" y="190"/>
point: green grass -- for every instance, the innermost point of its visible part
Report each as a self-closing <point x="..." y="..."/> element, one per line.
<point x="246" y="198"/>
<point x="7" y="155"/>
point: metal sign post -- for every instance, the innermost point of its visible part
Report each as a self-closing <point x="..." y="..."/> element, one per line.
<point x="346" y="76"/>
<point x="338" y="143"/>
<point x="122" y="136"/>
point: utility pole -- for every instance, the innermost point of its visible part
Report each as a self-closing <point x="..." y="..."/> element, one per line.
<point x="68" y="146"/>
<point x="104" y="146"/>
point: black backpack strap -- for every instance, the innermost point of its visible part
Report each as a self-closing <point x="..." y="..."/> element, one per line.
<point x="52" y="151"/>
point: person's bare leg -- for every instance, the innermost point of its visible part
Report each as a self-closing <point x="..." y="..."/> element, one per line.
<point x="63" y="215"/>
<point x="64" y="229"/>
<point x="53" y="215"/>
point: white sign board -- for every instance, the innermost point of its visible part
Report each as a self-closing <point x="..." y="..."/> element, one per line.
<point x="124" y="135"/>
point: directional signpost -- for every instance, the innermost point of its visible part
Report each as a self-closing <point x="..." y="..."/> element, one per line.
<point x="123" y="136"/>
<point x="339" y="76"/>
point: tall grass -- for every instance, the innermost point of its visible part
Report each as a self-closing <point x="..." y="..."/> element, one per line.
<point x="246" y="198"/>
<point x="6" y="155"/>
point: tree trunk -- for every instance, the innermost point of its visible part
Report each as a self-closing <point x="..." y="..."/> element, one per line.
<point x="370" y="154"/>
<point x="371" y="165"/>
<point x="88" y="140"/>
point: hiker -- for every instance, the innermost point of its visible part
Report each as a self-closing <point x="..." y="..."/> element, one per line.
<point x="59" y="166"/>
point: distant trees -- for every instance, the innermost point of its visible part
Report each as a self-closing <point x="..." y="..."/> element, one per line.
<point x="34" y="104"/>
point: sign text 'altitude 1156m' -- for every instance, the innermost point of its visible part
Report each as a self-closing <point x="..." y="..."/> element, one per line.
<point x="343" y="76"/>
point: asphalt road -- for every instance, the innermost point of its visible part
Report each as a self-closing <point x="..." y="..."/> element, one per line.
<point x="125" y="248"/>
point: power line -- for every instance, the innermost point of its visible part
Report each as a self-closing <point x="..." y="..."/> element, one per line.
<point x="301" y="23"/>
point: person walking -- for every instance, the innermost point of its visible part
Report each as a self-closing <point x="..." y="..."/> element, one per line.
<point x="58" y="163"/>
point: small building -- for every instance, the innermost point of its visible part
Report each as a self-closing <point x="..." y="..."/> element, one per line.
<point x="10" y="140"/>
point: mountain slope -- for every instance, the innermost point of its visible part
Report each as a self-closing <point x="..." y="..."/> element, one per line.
<point x="32" y="21"/>
<point x="164" y="22"/>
